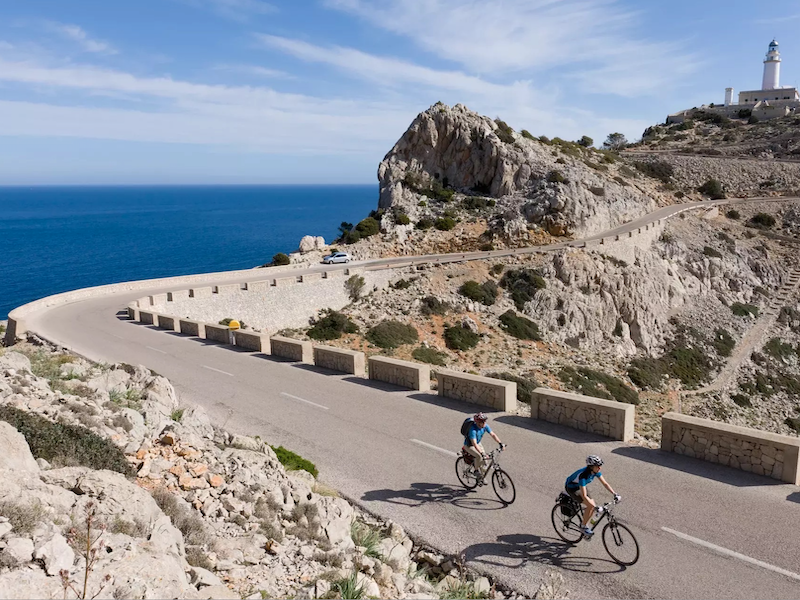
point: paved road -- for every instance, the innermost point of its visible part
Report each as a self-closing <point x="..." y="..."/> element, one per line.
<point x="393" y="451"/>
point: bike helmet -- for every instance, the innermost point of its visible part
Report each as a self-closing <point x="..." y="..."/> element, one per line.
<point x="594" y="461"/>
<point x="480" y="417"/>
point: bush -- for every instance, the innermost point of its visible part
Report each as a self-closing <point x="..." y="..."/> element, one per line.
<point x="556" y="177"/>
<point x="431" y="305"/>
<point x="354" y="286"/>
<point x="496" y="269"/>
<point x="280" y="259"/>
<point x="723" y="342"/>
<point x="65" y="445"/>
<point x="401" y="219"/>
<point x="779" y="349"/>
<point x="424" y="223"/>
<point x="24" y="518"/>
<point x="657" y="169"/>
<point x="732" y="214"/>
<point x="741" y="400"/>
<point x="485" y="293"/>
<point x="598" y="191"/>
<point x="763" y="220"/>
<point x="713" y="189"/>
<point x="794" y="423"/>
<point x="527" y="134"/>
<point x="294" y="462"/>
<point x="504" y="132"/>
<point x="368" y="227"/>
<point x="331" y="326"/>
<point x="599" y="385"/>
<point x="709" y="251"/>
<point x="519" y="327"/>
<point x="430" y="356"/>
<point x="585" y="142"/>
<point x="460" y="338"/>
<point x="475" y="202"/>
<point x="401" y="284"/>
<point x="391" y="334"/>
<point x="743" y="310"/>
<point x="445" y="223"/>
<point x="522" y="284"/>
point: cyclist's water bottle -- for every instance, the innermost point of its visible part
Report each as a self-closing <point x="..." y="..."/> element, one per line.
<point x="596" y="517"/>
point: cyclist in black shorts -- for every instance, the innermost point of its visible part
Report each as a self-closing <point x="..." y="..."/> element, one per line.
<point x="576" y="488"/>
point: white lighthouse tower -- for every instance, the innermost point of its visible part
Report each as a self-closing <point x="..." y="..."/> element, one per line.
<point x="772" y="68"/>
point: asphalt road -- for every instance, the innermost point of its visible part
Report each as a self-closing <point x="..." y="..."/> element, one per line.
<point x="705" y="531"/>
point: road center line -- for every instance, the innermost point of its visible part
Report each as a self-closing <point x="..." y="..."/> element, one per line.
<point x="218" y="371"/>
<point x="731" y="553"/>
<point x="432" y="447"/>
<point x="304" y="400"/>
<point x="155" y="349"/>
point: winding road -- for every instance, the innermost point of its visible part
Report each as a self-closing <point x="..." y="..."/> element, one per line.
<point x="705" y="531"/>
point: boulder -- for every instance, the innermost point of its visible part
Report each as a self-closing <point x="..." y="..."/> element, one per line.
<point x="56" y="554"/>
<point x="15" y="455"/>
<point x="310" y="243"/>
<point x="336" y="515"/>
<point x="20" y="549"/>
<point x="15" y="361"/>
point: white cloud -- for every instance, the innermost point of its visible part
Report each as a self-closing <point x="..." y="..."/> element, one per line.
<point x="236" y="10"/>
<point x="77" y="34"/>
<point x="253" y="70"/>
<point x="497" y="37"/>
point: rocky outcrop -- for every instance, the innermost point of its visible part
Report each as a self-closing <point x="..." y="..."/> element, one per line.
<point x="452" y="148"/>
<point x="309" y="243"/>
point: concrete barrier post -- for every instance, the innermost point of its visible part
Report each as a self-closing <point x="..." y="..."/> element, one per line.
<point x="167" y="322"/>
<point x="190" y="327"/>
<point x="146" y="317"/>
<point x="339" y="359"/>
<point x="402" y="373"/>
<point x="297" y="350"/>
<point x="251" y="340"/>
<point x="486" y="391"/>
<point x="608" y="418"/>
<point x="218" y="333"/>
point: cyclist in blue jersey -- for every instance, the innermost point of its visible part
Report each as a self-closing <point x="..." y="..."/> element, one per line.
<point x="472" y="443"/>
<point x="576" y="488"/>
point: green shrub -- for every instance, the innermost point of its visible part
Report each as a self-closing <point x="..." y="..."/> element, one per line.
<point x="522" y="284"/>
<point x="504" y="132"/>
<point x="741" y="400"/>
<point x="65" y="445"/>
<point x="368" y="227"/>
<point x="475" y="202"/>
<point x="354" y="286"/>
<point x="351" y="237"/>
<point x="460" y="338"/>
<point x="525" y="386"/>
<point x="519" y="327"/>
<point x="713" y="189"/>
<point x="445" y="223"/>
<point x="348" y="587"/>
<point x="401" y="284"/>
<point x="401" y="219"/>
<point x="424" y="223"/>
<point x="485" y="293"/>
<point x="794" y="423"/>
<point x="645" y="373"/>
<point x="657" y="169"/>
<point x="599" y="385"/>
<point x="280" y="259"/>
<point x="177" y="414"/>
<point x="763" y="220"/>
<point x="391" y="334"/>
<point x="780" y="349"/>
<point x="294" y="462"/>
<point x="744" y="310"/>
<point x="723" y="342"/>
<point x="331" y="326"/>
<point x="709" y="251"/>
<point x="496" y="269"/>
<point x="431" y="305"/>
<point x="585" y="142"/>
<point x="24" y="518"/>
<point x="556" y="177"/>
<point x="367" y="537"/>
<point x="527" y="134"/>
<point x="430" y="356"/>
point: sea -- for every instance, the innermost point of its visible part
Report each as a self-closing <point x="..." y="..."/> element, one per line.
<point x="55" y="239"/>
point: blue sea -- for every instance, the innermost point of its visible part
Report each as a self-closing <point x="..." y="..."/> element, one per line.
<point x="55" y="239"/>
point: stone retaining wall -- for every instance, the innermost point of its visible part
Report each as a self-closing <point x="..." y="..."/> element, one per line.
<point x="603" y="417"/>
<point x="195" y="328"/>
<point x="486" y="391"/>
<point x="339" y="359"/>
<point x="751" y="450"/>
<point x="250" y="340"/>
<point x="297" y="350"/>
<point x="411" y="375"/>
<point x="218" y="333"/>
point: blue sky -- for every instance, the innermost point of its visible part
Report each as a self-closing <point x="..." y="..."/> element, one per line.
<point x="257" y="91"/>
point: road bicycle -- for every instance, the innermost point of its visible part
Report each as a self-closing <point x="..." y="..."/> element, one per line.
<point x="619" y="541"/>
<point x="501" y="481"/>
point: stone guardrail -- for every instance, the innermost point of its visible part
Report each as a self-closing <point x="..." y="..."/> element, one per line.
<point x="761" y="452"/>
<point x="603" y="417"/>
<point x="250" y="340"/>
<point x="296" y="350"/>
<point x="476" y="389"/>
<point x="192" y="327"/>
<point x="147" y="317"/>
<point x="218" y="333"/>
<point x="339" y="359"/>
<point x="411" y="375"/>
<point x="168" y="322"/>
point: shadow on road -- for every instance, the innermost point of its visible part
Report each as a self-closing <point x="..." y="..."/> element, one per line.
<point x="375" y="385"/>
<point x="427" y="493"/>
<point x="552" y="429"/>
<point x="794" y="497"/>
<point x="516" y="550"/>
<point x="451" y="403"/>
<point x="695" y="466"/>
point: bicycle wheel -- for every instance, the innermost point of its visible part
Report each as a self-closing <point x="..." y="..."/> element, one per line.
<point x="503" y="486"/>
<point x="567" y="528"/>
<point x="466" y="474"/>
<point x="620" y="543"/>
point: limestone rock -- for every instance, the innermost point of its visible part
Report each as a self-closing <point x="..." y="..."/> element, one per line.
<point x="15" y="454"/>
<point x="56" y="555"/>
<point x="16" y="361"/>
<point x="20" y="549"/>
<point x="310" y="243"/>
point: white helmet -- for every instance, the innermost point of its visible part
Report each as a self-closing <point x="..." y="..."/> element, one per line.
<point x="594" y="461"/>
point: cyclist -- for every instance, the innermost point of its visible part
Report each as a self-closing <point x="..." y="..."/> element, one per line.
<point x="472" y="443"/>
<point x="576" y="488"/>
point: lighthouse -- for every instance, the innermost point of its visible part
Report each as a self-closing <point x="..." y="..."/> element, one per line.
<point x="772" y="68"/>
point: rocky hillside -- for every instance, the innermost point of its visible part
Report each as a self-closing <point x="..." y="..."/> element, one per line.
<point x="114" y="489"/>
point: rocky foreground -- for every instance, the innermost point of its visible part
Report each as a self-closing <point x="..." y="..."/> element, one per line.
<point x="114" y="489"/>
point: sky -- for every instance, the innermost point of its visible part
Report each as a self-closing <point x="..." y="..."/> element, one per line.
<point x="271" y="91"/>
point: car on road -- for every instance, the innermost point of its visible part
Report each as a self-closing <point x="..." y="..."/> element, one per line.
<point x="336" y="257"/>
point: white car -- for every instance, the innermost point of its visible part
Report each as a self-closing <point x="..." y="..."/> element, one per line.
<point x="336" y="257"/>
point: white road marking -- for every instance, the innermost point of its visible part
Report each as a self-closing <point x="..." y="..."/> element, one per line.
<point x="304" y="400"/>
<point x="119" y="337"/>
<point x="155" y="349"/>
<point x="432" y="447"/>
<point x="731" y="553"/>
<point x="218" y="371"/>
